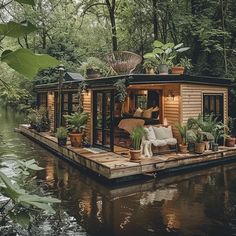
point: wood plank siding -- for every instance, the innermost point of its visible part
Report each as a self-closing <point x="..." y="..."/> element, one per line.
<point x="51" y="109"/>
<point x="192" y="99"/>
<point x="171" y="106"/>
<point x="87" y="106"/>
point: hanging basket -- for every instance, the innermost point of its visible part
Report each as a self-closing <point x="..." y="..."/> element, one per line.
<point x="123" y="62"/>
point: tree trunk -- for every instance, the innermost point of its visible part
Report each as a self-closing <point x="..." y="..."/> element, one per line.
<point x="111" y="8"/>
<point x="155" y="24"/>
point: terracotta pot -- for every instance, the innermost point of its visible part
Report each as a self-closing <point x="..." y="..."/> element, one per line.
<point x="92" y="74"/>
<point x="178" y="70"/>
<point x="183" y="148"/>
<point x="207" y="145"/>
<point x="76" y="139"/>
<point x="199" y="147"/>
<point x="163" y="69"/>
<point x="135" y="154"/>
<point x="229" y="142"/>
<point x="215" y="147"/>
<point x="62" y="141"/>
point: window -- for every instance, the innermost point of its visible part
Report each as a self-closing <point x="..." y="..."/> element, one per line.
<point x="213" y="103"/>
<point x="42" y="99"/>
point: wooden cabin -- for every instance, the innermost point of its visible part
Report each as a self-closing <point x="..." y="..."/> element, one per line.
<point x="172" y="99"/>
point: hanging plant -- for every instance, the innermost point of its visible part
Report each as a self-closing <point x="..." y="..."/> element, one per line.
<point x="83" y="86"/>
<point x="121" y="91"/>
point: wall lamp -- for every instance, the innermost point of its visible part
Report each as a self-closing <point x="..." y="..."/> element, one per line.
<point x="170" y="95"/>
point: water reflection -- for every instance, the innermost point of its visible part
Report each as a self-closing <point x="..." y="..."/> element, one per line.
<point x="197" y="203"/>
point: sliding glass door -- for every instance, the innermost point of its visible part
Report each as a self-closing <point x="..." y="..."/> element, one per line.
<point x="102" y="119"/>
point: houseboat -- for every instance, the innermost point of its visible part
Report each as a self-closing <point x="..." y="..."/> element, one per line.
<point x="156" y="99"/>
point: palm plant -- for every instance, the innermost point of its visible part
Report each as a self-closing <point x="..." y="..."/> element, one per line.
<point x="183" y="132"/>
<point x="136" y="137"/>
<point x="76" y="121"/>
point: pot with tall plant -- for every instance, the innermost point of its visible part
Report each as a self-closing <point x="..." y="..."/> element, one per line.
<point x="183" y="146"/>
<point x="136" y="139"/>
<point x="218" y="132"/>
<point x="180" y="68"/>
<point x="229" y="140"/>
<point x="76" y="122"/>
<point x="62" y="134"/>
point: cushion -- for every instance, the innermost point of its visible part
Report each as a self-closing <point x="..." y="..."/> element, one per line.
<point x="150" y="135"/>
<point x="138" y="112"/>
<point x="155" y="109"/>
<point x="163" y="132"/>
<point x="147" y="113"/>
<point x="171" y="141"/>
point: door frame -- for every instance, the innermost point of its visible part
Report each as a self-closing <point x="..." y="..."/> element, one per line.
<point x="103" y="129"/>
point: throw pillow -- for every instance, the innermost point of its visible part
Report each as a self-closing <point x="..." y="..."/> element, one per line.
<point x="150" y="134"/>
<point x="138" y="112"/>
<point x="147" y="113"/>
<point x="159" y="132"/>
<point x="168" y="132"/>
<point x="163" y="132"/>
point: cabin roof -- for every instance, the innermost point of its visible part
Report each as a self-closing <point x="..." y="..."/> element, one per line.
<point x="72" y="79"/>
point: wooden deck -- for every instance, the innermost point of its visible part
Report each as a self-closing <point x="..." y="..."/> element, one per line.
<point x="117" y="165"/>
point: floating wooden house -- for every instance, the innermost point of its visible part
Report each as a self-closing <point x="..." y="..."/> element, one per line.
<point x="157" y="99"/>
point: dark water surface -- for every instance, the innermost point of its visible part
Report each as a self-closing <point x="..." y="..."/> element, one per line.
<point x="198" y="203"/>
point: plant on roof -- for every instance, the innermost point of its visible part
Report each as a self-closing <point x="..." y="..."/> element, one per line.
<point x="165" y="53"/>
<point x="94" y="63"/>
<point x="185" y="62"/>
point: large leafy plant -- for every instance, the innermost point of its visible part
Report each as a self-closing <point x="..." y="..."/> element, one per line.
<point x="165" y="53"/>
<point x="23" y="60"/>
<point x="76" y="121"/>
<point x="21" y="205"/>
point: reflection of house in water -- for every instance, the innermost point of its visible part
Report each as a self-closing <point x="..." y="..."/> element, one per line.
<point x="159" y="195"/>
<point x="178" y="203"/>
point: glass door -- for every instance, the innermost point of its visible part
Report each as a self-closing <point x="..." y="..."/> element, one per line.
<point x="102" y="119"/>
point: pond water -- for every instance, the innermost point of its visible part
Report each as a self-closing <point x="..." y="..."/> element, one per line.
<point x="197" y="203"/>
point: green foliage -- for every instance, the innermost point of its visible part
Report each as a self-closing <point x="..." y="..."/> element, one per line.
<point x="27" y="63"/>
<point x="95" y="64"/>
<point x="183" y="132"/>
<point x="165" y="53"/>
<point x="136" y="137"/>
<point x="121" y="90"/>
<point x="16" y="30"/>
<point x="185" y="62"/>
<point x="230" y="126"/>
<point x="61" y="133"/>
<point x="28" y="2"/>
<point x="76" y="121"/>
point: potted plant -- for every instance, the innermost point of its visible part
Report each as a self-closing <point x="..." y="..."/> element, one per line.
<point x="196" y="136"/>
<point x="136" y="139"/>
<point x="164" y="54"/>
<point x="31" y="118"/>
<point x="75" y="123"/>
<point x="61" y="135"/>
<point x="182" y="66"/>
<point x="93" y="68"/>
<point x="183" y="147"/>
<point x="42" y="122"/>
<point x="150" y="65"/>
<point x="218" y="132"/>
<point x="229" y="140"/>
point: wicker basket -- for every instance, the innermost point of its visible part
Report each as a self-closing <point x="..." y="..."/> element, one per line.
<point x="123" y="62"/>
